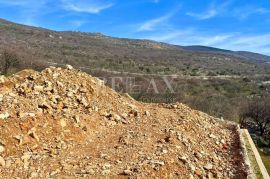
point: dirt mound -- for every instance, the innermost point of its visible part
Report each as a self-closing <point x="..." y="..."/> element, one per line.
<point x="62" y="123"/>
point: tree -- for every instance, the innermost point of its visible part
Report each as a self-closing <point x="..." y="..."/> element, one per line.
<point x="10" y="60"/>
<point x="258" y="111"/>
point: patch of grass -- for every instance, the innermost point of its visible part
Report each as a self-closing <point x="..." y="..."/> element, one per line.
<point x="252" y="159"/>
<point x="266" y="161"/>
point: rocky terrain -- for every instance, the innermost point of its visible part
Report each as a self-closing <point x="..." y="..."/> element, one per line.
<point x="62" y="123"/>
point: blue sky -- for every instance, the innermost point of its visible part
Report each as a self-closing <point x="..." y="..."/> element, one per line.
<point x="229" y="24"/>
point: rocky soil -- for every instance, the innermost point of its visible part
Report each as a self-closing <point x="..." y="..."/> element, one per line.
<point x="62" y="123"/>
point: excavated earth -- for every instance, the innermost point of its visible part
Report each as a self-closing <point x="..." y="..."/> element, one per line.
<point x="63" y="123"/>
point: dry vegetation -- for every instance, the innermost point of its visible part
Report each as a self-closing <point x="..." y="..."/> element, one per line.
<point x="36" y="45"/>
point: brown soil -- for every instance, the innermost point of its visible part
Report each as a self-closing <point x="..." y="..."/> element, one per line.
<point x="62" y="123"/>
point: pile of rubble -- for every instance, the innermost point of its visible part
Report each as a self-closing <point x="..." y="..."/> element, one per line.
<point x="62" y="123"/>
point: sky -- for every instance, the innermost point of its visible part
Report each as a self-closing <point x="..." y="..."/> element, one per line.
<point x="229" y="24"/>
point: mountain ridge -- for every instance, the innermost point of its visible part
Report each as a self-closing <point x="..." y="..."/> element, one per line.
<point x="256" y="57"/>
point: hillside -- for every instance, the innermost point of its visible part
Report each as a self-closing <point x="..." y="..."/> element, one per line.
<point x="248" y="56"/>
<point x="38" y="48"/>
<point x="205" y="78"/>
<point x="63" y="123"/>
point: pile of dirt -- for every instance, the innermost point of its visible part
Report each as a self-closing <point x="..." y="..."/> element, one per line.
<point x="65" y="123"/>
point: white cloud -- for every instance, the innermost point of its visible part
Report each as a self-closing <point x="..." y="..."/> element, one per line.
<point x="168" y="37"/>
<point x="247" y="11"/>
<point x="255" y="43"/>
<point x="241" y="13"/>
<point x="191" y="37"/>
<point x="27" y="10"/>
<point x="87" y="6"/>
<point x="213" y="11"/>
<point x="205" y="15"/>
<point x="214" y="40"/>
<point x="151" y="24"/>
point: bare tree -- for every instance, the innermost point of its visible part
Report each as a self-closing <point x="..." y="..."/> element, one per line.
<point x="9" y="60"/>
<point x="258" y="111"/>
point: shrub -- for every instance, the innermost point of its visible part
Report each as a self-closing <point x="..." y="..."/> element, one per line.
<point x="9" y="60"/>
